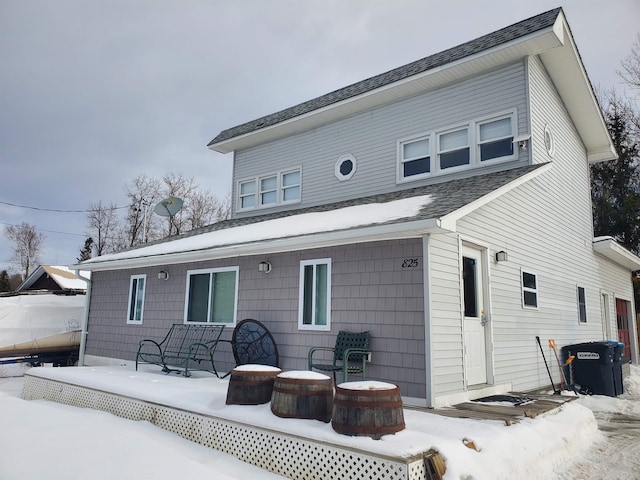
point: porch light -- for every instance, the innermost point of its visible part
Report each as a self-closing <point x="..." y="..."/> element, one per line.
<point x="163" y="275"/>
<point x="501" y="256"/>
<point x="264" y="267"/>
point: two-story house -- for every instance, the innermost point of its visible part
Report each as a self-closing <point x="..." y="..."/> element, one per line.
<point x="444" y="206"/>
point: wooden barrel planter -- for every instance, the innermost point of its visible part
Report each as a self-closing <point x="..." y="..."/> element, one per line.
<point x="368" y="408"/>
<point x="251" y="384"/>
<point x="303" y="394"/>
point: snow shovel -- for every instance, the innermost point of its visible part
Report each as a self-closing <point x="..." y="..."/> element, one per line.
<point x="563" y="380"/>
<point x="555" y="392"/>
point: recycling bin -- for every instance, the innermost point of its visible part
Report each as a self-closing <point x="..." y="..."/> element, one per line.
<point x="593" y="368"/>
<point x="618" y="349"/>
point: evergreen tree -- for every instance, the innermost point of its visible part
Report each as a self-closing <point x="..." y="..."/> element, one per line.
<point x="85" y="253"/>
<point x="616" y="184"/>
<point x="5" y="284"/>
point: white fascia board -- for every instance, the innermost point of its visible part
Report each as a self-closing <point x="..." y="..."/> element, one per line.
<point x="448" y="222"/>
<point x="570" y="78"/>
<point x="412" y="229"/>
<point x="504" y="54"/>
<point x="609" y="248"/>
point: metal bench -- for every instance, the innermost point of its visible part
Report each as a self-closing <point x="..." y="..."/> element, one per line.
<point x="184" y="348"/>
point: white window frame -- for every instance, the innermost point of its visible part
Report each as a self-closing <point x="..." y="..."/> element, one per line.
<point x="505" y="158"/>
<point x="254" y="194"/>
<point x="258" y="192"/>
<point x="524" y="289"/>
<point x="136" y="279"/>
<point x="439" y="151"/>
<point x="401" y="160"/>
<point x="581" y="321"/>
<point x="284" y="188"/>
<point x="275" y="190"/>
<point x="209" y="306"/>
<point x="301" y="296"/>
<point x="473" y="144"/>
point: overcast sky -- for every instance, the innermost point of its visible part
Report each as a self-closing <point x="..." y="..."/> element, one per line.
<point x="96" y="92"/>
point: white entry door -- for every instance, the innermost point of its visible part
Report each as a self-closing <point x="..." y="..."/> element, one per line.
<point x="474" y="316"/>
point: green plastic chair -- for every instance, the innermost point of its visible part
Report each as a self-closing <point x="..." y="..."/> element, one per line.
<point x="350" y="355"/>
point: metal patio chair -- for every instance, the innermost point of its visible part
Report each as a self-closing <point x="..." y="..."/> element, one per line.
<point x="350" y="355"/>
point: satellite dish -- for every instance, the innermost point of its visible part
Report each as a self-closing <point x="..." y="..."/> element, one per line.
<point x="168" y="207"/>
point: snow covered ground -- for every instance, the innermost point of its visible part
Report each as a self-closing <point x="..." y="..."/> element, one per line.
<point x="41" y="439"/>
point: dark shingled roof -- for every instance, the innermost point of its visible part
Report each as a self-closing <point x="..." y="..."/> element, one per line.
<point x="512" y="32"/>
<point x="447" y="197"/>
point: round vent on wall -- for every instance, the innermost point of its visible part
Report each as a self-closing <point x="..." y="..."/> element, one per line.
<point x="548" y="140"/>
<point x="345" y="167"/>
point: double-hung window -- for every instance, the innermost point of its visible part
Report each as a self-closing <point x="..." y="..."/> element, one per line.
<point x="291" y="186"/>
<point x="453" y="148"/>
<point x="495" y="139"/>
<point x="136" y="299"/>
<point x="315" y="295"/>
<point x="415" y="157"/>
<point x="247" y="194"/>
<point x="471" y="145"/>
<point x="529" y="290"/>
<point x="212" y="296"/>
<point x="269" y="190"/>
<point x="582" y="305"/>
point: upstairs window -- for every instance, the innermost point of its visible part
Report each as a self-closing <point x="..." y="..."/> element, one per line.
<point x="453" y="149"/>
<point x="495" y="139"/>
<point x="136" y="298"/>
<point x="248" y="194"/>
<point x="269" y="190"/>
<point x="415" y="157"/>
<point x="472" y="145"/>
<point x="291" y="186"/>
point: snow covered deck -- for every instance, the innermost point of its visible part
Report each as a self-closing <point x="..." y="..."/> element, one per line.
<point x="195" y="409"/>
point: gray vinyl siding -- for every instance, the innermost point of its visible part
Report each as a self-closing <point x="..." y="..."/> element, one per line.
<point x="545" y="226"/>
<point x="370" y="291"/>
<point x="372" y="138"/>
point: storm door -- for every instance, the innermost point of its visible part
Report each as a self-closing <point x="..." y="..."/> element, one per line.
<point x="473" y="293"/>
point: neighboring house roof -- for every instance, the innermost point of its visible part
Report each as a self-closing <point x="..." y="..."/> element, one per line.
<point x="407" y="213"/>
<point x="547" y="35"/>
<point x="53" y="277"/>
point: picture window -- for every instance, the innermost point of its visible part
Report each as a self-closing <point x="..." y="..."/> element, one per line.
<point x="212" y="296"/>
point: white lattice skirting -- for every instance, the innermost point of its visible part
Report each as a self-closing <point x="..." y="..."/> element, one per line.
<point x="284" y="454"/>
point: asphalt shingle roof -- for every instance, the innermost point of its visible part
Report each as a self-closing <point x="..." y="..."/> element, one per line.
<point x="507" y="34"/>
<point x="447" y="197"/>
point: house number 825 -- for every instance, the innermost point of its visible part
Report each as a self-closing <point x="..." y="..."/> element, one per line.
<point x="410" y="263"/>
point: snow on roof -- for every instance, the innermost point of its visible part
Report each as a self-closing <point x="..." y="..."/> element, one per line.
<point x="65" y="277"/>
<point x="278" y="228"/>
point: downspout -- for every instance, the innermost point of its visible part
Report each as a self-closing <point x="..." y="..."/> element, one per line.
<point x="428" y="341"/>
<point x="85" y="320"/>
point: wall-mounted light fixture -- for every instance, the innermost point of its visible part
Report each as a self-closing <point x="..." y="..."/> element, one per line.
<point x="501" y="256"/>
<point x="163" y="275"/>
<point x="522" y="141"/>
<point x="264" y="267"/>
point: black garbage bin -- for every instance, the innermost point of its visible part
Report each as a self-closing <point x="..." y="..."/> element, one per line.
<point x="618" y="349"/>
<point x="593" y="367"/>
